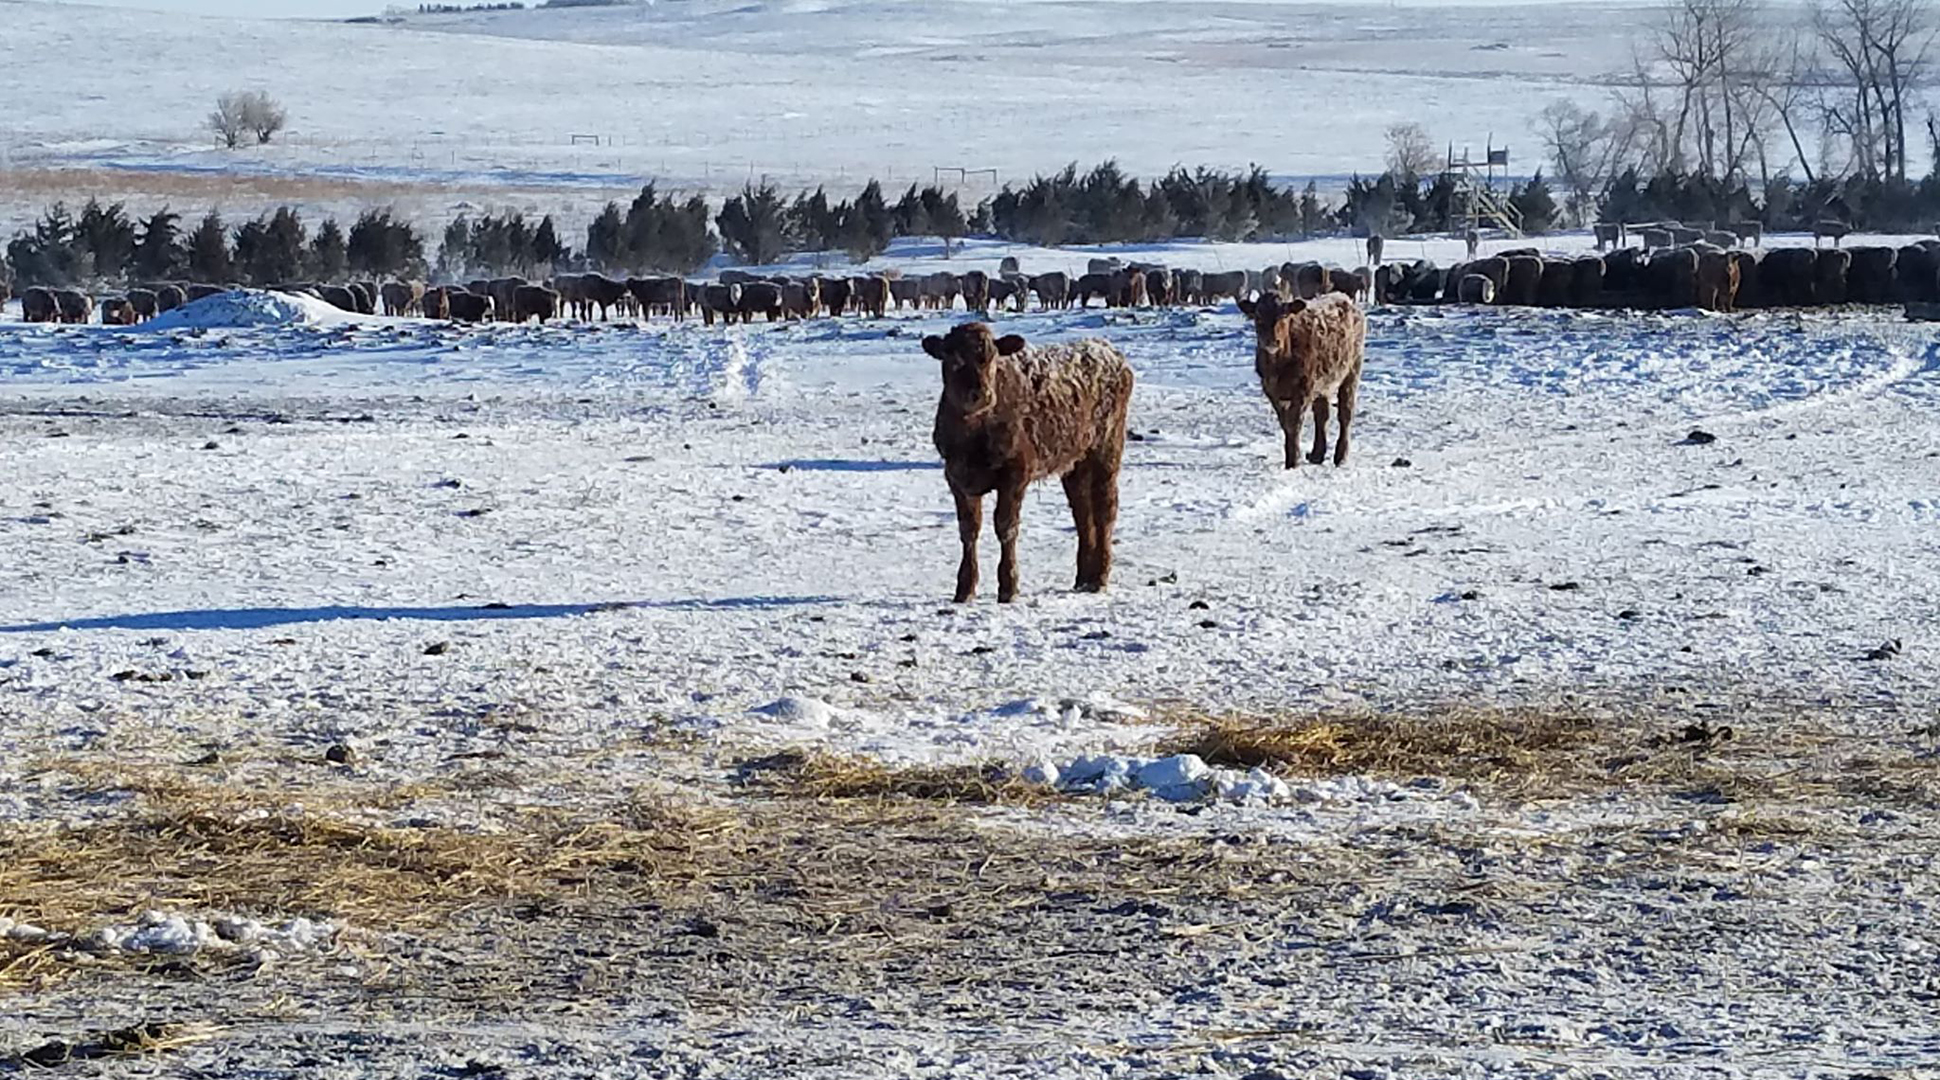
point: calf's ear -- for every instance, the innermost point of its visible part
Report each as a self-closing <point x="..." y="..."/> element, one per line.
<point x="934" y="346"/>
<point x="1293" y="307"/>
<point x="1009" y="344"/>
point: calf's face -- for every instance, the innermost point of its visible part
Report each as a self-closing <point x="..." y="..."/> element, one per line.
<point x="968" y="354"/>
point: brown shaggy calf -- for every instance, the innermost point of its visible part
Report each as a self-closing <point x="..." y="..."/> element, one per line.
<point x="1010" y="416"/>
<point x="1307" y="351"/>
<point x="1717" y="280"/>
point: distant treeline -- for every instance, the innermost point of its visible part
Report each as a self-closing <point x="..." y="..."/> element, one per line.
<point x="664" y="234"/>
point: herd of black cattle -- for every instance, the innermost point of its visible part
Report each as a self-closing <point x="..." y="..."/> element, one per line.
<point x="1701" y="274"/>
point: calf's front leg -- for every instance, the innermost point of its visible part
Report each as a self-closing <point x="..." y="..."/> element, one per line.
<point x="969" y="525"/>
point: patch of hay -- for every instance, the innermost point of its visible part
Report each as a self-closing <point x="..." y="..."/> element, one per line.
<point x="1470" y="746"/>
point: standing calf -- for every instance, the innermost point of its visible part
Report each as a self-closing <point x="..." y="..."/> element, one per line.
<point x="1010" y="416"/>
<point x="1306" y="352"/>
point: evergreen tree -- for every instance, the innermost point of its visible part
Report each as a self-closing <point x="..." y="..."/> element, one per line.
<point x="548" y="253"/>
<point x="158" y="254"/>
<point x="109" y="237"/>
<point x="752" y="224"/>
<point x="209" y="251"/>
<point x="329" y="253"/>
<point x="1537" y="205"/>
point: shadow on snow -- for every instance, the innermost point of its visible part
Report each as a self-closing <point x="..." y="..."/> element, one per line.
<point x="263" y="618"/>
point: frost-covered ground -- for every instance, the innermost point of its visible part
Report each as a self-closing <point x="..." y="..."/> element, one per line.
<point x="494" y="109"/>
<point x="577" y="566"/>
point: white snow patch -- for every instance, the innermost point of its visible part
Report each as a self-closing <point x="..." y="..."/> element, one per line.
<point x="171" y="934"/>
<point x="251" y="307"/>
<point x="1180" y="778"/>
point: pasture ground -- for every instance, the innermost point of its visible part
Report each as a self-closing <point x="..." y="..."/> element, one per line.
<point x="597" y="690"/>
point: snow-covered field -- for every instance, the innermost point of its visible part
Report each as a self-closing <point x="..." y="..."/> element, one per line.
<point x="496" y="108"/>
<point x="448" y="582"/>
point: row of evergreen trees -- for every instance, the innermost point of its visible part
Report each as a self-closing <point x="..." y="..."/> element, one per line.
<point x="659" y="233"/>
<point x="104" y="243"/>
<point x="1865" y="203"/>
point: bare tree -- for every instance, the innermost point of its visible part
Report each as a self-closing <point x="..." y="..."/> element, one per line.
<point x="1410" y="153"/>
<point x="1880" y="50"/>
<point x="230" y="120"/>
<point x="245" y="112"/>
<point x="264" y="114"/>
<point x="1585" y="152"/>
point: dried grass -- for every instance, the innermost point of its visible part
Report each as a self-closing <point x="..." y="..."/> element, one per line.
<point x="1474" y="747"/>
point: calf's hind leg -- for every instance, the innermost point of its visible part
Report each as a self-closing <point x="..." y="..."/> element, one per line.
<point x="1319" y="454"/>
<point x="1078" y="491"/>
<point x="1349" y="391"/>
<point x="1103" y="474"/>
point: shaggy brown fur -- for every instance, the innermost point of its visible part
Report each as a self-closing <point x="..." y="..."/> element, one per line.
<point x="436" y="303"/>
<point x="170" y="297"/>
<point x="1009" y="417"/>
<point x="1307" y="351"/>
<point x="203" y="292"/>
<point x="144" y="302"/>
<point x="1717" y="281"/>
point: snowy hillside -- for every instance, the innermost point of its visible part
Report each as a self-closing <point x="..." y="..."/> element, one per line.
<point x="709" y="93"/>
